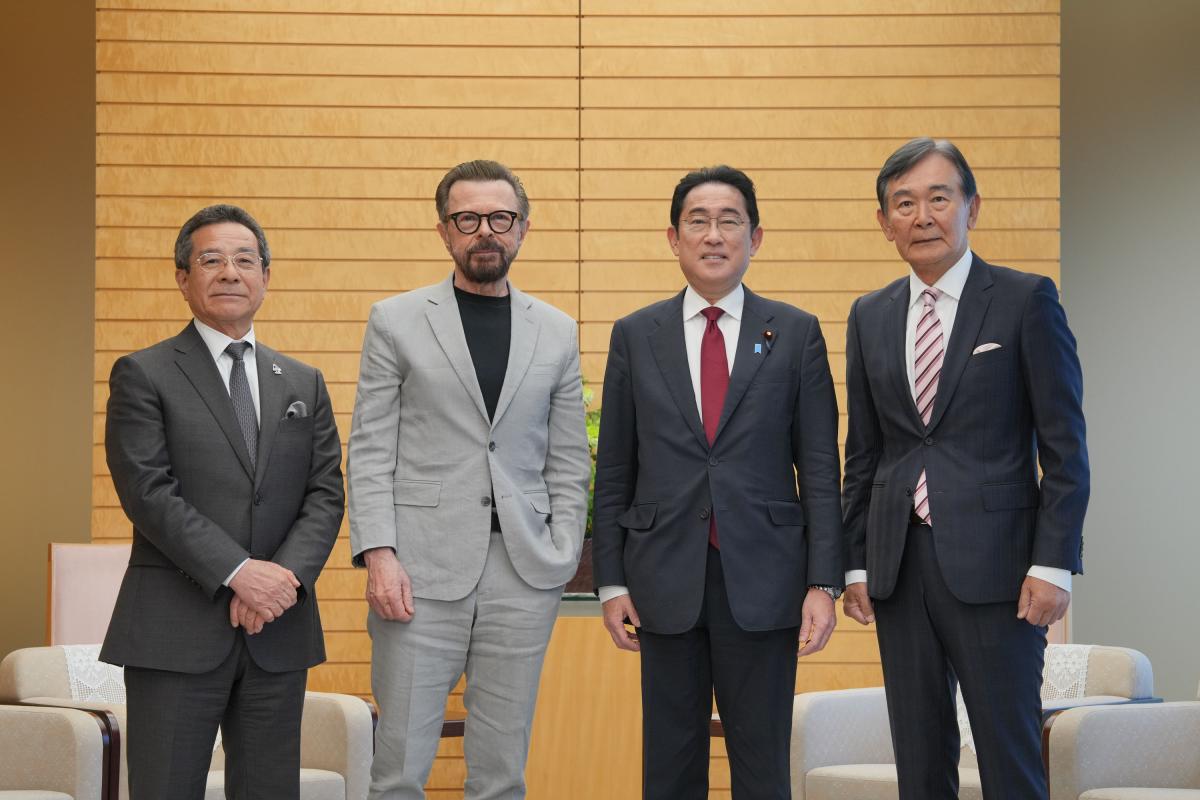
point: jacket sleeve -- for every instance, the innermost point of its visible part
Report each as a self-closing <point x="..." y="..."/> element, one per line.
<point x="135" y="444"/>
<point x="1050" y="367"/>
<point x="864" y="443"/>
<point x="815" y="454"/>
<point x="616" y="465"/>
<point x="306" y="548"/>
<point x="371" y="460"/>
<point x="568" y="462"/>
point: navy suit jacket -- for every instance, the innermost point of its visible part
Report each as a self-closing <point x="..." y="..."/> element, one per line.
<point x="771" y="474"/>
<point x="997" y="415"/>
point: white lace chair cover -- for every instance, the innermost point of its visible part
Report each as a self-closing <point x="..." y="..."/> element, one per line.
<point x="1064" y="677"/>
<point x="93" y="681"/>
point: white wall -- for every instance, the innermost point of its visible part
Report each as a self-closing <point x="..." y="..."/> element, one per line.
<point x="1131" y="286"/>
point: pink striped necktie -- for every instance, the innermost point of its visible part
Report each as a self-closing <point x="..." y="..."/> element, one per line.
<point x="928" y="350"/>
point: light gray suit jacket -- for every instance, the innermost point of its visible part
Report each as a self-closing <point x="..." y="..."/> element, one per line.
<point x="424" y="458"/>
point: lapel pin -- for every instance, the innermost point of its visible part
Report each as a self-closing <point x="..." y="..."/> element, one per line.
<point x="757" y="348"/>
<point x="275" y="368"/>
<point x="768" y="337"/>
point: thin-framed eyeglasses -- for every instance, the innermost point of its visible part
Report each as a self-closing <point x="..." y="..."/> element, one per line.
<point x="726" y="224"/>
<point x="244" y="261"/>
<point x="498" y="221"/>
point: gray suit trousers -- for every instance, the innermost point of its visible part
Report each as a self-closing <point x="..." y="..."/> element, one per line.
<point x="497" y="636"/>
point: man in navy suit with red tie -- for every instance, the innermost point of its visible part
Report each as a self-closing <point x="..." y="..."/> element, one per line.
<point x="962" y="379"/>
<point x="717" y="528"/>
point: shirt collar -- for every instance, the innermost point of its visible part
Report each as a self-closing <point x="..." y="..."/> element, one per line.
<point x="731" y="303"/>
<point x="951" y="283"/>
<point x="216" y="342"/>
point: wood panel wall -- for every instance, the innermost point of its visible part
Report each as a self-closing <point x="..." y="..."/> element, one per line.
<point x="333" y="120"/>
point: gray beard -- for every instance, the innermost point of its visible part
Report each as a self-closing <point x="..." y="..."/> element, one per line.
<point x="485" y="274"/>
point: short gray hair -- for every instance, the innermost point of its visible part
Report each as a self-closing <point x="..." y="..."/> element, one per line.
<point x="211" y="215"/>
<point x="916" y="150"/>
<point x="479" y="170"/>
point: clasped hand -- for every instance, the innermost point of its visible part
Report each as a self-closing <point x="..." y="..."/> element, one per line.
<point x="262" y="591"/>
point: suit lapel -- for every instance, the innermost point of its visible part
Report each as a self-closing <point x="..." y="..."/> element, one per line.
<point x="444" y="319"/>
<point x="897" y="363"/>
<point x="522" y="341"/>
<point x="746" y="362"/>
<point x="670" y="351"/>
<point x="271" y="393"/>
<point x="197" y="365"/>
<point x="972" y="308"/>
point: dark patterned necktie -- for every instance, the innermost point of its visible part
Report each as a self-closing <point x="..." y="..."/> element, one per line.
<point x="243" y="403"/>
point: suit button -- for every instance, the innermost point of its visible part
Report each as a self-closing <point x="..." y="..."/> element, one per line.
<point x="908" y="492"/>
<point x="929" y="440"/>
<point x="492" y="446"/>
<point x="704" y="513"/>
<point x="485" y="501"/>
<point x="258" y="498"/>
<point x="712" y="461"/>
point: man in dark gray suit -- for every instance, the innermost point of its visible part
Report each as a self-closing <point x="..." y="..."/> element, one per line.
<point x="226" y="458"/>
<point x="962" y="378"/>
<point x="717" y="527"/>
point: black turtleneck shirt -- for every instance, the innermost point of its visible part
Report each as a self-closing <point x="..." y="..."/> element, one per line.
<point x="487" y="324"/>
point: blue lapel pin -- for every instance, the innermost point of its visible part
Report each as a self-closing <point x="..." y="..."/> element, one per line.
<point x="758" y="348"/>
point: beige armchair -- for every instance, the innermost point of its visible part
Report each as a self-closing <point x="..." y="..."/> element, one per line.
<point x="50" y="754"/>
<point x="336" y="738"/>
<point x="1126" y="753"/>
<point x="842" y="747"/>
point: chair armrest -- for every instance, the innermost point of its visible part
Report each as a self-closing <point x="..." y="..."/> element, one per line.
<point x="1052" y="709"/>
<point x="336" y="734"/>
<point x="111" y="718"/>
<point x="52" y="749"/>
<point x="1150" y="745"/>
<point x="848" y="726"/>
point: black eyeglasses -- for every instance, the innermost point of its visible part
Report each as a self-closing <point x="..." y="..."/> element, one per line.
<point x="498" y="221"/>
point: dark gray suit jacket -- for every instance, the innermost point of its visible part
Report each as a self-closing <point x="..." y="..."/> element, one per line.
<point x="182" y="472"/>
<point x="997" y="414"/>
<point x="771" y="474"/>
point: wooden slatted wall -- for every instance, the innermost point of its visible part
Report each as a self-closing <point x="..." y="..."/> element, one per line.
<point x="332" y="121"/>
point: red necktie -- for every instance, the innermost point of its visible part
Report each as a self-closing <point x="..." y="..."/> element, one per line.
<point x="714" y="382"/>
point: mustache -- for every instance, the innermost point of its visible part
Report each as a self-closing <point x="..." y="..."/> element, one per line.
<point x="485" y="246"/>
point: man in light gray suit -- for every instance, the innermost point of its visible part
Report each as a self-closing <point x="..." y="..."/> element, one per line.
<point x="468" y="469"/>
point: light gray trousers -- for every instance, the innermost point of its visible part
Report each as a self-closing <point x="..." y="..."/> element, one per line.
<point x="497" y="635"/>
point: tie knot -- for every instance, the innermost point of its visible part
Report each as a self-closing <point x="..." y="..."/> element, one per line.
<point x="237" y="349"/>
<point x="930" y="296"/>
<point x="711" y="313"/>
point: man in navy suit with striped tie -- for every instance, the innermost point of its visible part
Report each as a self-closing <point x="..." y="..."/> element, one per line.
<point x="962" y="379"/>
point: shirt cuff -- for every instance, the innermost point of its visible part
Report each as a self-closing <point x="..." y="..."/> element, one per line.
<point x="1059" y="577"/>
<point x="607" y="593"/>
<point x="236" y="570"/>
<point x="856" y="576"/>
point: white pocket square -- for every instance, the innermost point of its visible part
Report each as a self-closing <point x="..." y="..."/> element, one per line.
<point x="296" y="409"/>
<point x="983" y="348"/>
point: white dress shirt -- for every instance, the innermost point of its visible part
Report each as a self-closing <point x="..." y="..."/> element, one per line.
<point x="216" y="342"/>
<point x="694" y="324"/>
<point x="946" y="307"/>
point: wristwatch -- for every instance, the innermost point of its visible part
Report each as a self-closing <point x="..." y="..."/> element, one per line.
<point x="832" y="591"/>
